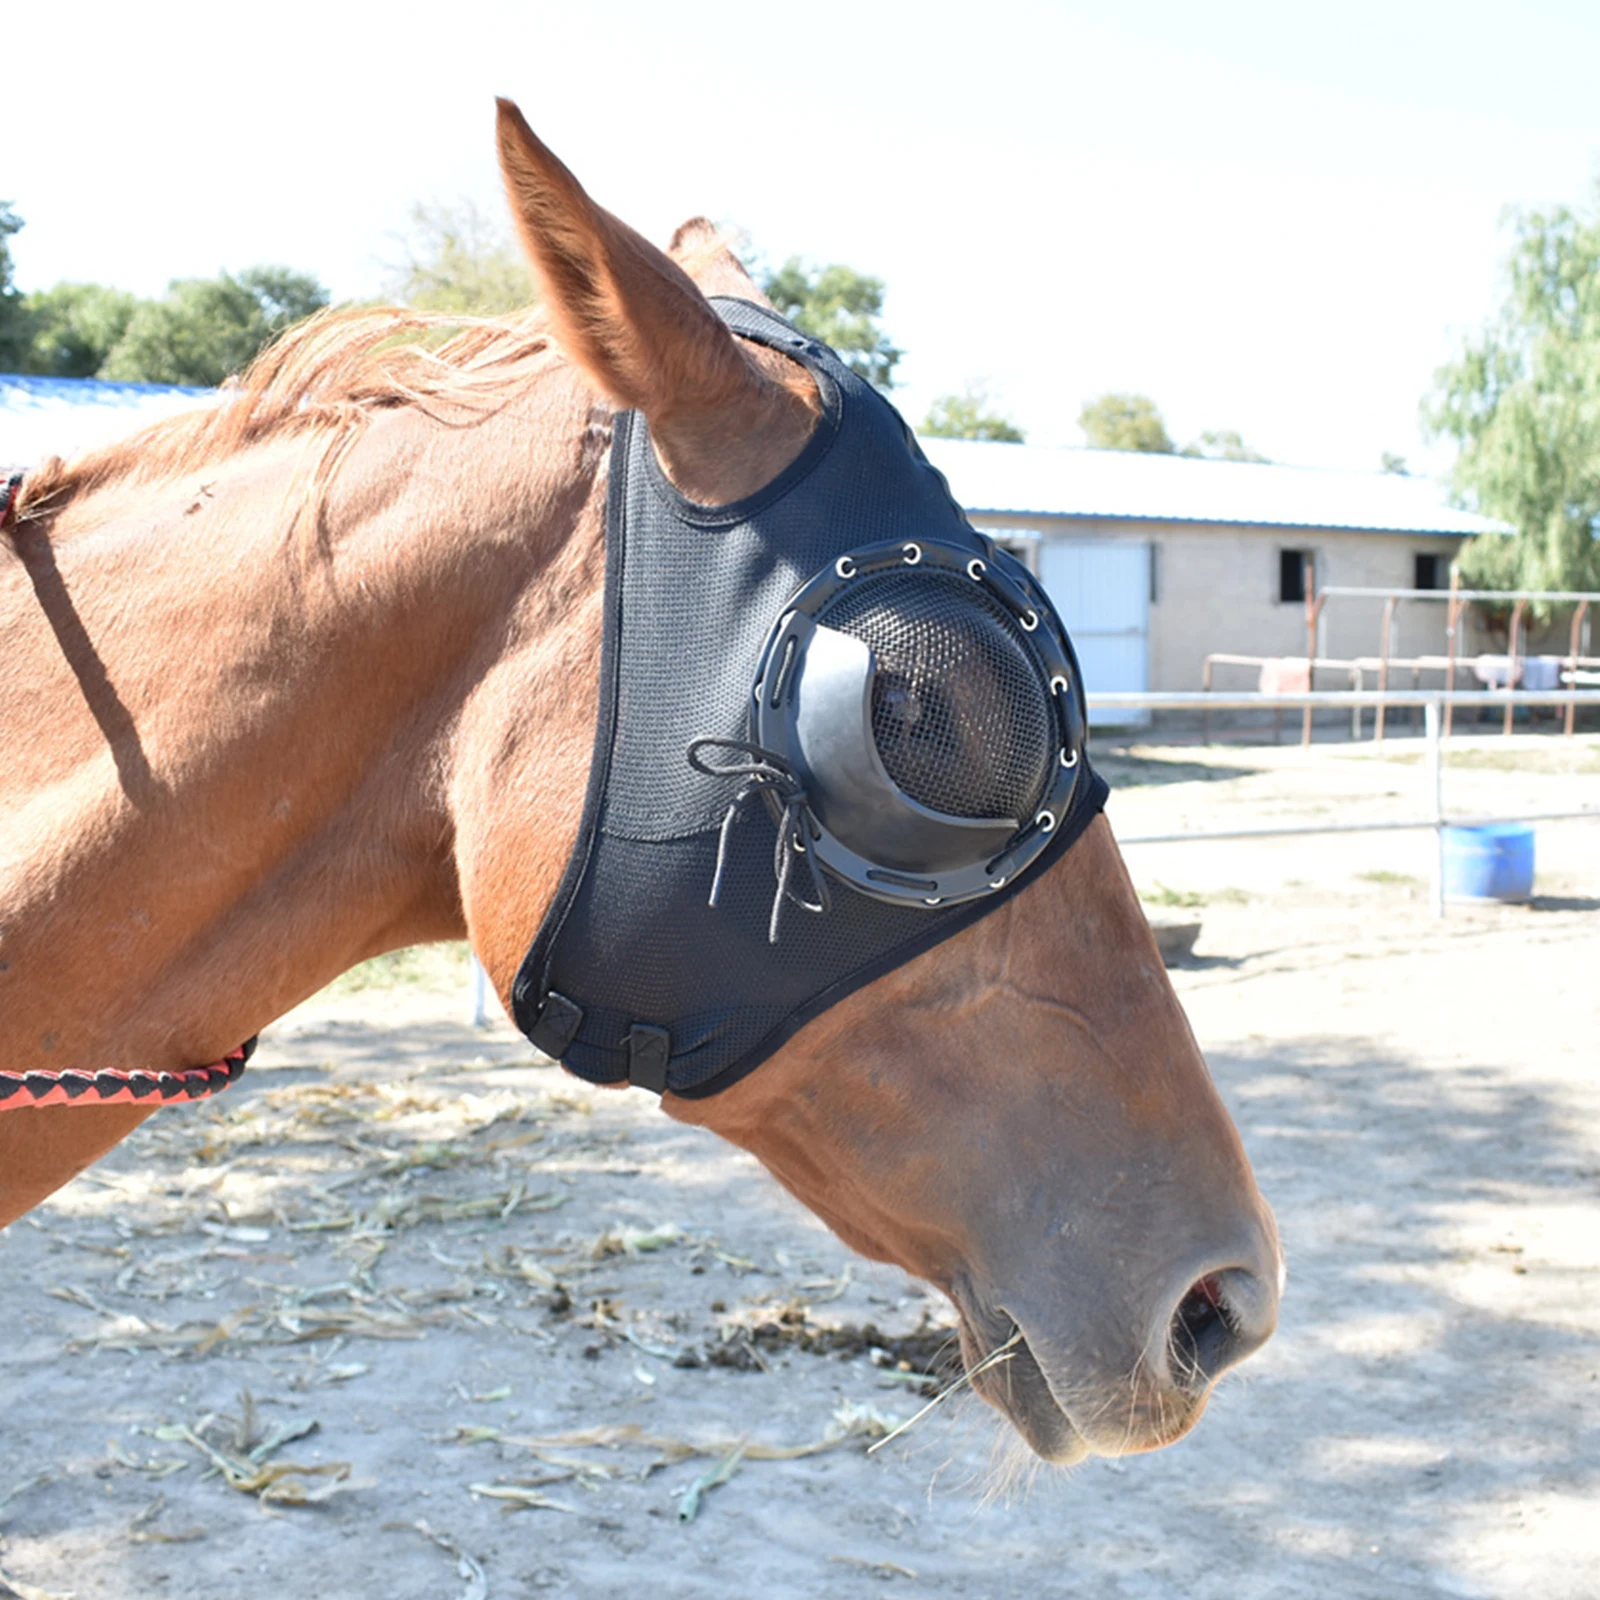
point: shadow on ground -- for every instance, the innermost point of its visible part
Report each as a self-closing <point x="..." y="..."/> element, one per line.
<point x="1563" y="902"/>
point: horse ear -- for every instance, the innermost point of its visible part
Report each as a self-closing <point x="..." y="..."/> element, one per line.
<point x="629" y="315"/>
<point x="704" y="253"/>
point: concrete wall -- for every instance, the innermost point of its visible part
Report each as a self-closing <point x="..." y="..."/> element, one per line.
<point x="1216" y="587"/>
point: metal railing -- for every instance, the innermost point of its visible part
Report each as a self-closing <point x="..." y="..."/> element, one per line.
<point x="1433" y="703"/>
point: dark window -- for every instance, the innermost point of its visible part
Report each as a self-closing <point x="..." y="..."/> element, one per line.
<point x="1292" y="575"/>
<point x="1432" y="572"/>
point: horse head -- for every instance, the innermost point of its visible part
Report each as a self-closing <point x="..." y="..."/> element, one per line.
<point x="1020" y="1114"/>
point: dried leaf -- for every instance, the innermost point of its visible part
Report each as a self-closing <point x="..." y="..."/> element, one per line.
<point x="634" y="1241"/>
<point x="468" y="1567"/>
<point x="16" y="1489"/>
<point x="470" y="1433"/>
<point x="689" y="1502"/>
<point x="878" y="1569"/>
<point x="276" y="1482"/>
<point x="284" y="1433"/>
<point x="518" y="1497"/>
<point x="291" y="1489"/>
<point x="485" y="1397"/>
<point x="154" y="1466"/>
<point x="140" y="1531"/>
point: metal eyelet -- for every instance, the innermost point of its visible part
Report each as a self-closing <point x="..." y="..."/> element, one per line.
<point x="912" y="553"/>
<point x="1046" y="821"/>
<point x="1059" y="685"/>
<point x="976" y="569"/>
<point x="937" y="900"/>
<point x="1069" y="759"/>
<point x="845" y="567"/>
<point x="1029" y="620"/>
<point x="999" y="883"/>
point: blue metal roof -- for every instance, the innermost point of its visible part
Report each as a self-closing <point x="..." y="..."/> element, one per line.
<point x="56" y="416"/>
<point x="1036" y="480"/>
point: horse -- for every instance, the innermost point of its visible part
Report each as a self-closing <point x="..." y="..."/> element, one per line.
<point x="312" y="675"/>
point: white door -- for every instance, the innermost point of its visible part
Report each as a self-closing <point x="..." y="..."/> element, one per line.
<point x="1101" y="587"/>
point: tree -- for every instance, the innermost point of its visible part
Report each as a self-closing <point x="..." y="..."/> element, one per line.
<point x="1125" y="422"/>
<point x="841" y="307"/>
<point x="457" y="261"/>
<point x="965" y="416"/>
<point x="1221" y="444"/>
<point x="13" y="314"/>
<point x="74" y="327"/>
<point x="206" y="329"/>
<point x="1522" y="401"/>
<point x="1397" y="464"/>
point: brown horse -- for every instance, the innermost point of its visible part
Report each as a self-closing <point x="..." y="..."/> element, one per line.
<point x="313" y="675"/>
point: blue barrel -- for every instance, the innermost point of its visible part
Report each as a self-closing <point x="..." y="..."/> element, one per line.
<point x="1492" y="862"/>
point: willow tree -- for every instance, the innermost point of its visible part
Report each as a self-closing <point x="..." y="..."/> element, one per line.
<point x="1522" y="401"/>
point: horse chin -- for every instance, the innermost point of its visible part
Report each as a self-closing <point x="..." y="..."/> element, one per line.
<point x="1016" y="1386"/>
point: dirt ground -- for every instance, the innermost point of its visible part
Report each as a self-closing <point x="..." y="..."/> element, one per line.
<point x="408" y="1313"/>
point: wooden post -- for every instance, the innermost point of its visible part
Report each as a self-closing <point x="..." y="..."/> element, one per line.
<point x="1452" y="627"/>
<point x="1511" y="660"/>
<point x="1576" y="642"/>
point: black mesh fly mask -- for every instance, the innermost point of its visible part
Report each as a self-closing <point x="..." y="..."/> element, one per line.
<point x="836" y="725"/>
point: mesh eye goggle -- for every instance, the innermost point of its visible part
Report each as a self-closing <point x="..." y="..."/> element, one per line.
<point x="929" y="702"/>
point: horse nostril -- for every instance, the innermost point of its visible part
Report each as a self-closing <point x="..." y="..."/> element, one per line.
<point x="1217" y="1323"/>
<point x="1200" y="1334"/>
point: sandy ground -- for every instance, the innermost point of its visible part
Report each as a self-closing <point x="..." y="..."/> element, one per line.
<point x="410" y="1314"/>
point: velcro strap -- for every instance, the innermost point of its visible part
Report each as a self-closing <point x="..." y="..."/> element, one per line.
<point x="557" y="1025"/>
<point x="649" y="1049"/>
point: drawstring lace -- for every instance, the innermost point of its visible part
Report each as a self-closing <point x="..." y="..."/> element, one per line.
<point x="766" y="772"/>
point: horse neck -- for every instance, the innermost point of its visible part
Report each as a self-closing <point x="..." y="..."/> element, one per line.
<point x="238" y="738"/>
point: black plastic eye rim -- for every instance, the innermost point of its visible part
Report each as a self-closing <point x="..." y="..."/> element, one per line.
<point x="1042" y="635"/>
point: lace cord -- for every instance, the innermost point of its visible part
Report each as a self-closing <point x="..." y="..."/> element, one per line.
<point x="765" y="773"/>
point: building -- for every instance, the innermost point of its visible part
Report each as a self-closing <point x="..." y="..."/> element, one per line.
<point x="1156" y="561"/>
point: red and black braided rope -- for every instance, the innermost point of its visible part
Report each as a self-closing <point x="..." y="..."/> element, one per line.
<point x="19" y="1089"/>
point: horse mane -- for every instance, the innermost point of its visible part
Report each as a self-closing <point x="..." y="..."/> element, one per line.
<point x="323" y="378"/>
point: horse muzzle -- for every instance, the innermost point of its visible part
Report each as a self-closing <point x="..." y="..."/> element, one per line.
<point x="1070" y="1397"/>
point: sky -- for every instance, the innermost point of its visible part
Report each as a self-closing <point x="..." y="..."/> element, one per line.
<point x="1277" y="218"/>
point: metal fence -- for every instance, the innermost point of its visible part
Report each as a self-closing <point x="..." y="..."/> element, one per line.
<point x="1433" y="703"/>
